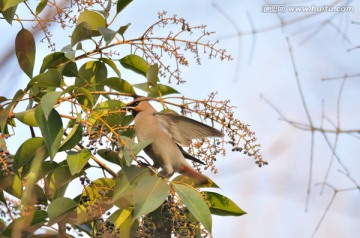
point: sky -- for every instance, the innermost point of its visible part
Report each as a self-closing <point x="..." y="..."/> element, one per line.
<point x="262" y="73"/>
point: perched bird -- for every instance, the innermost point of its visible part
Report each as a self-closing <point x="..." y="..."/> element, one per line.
<point x="167" y="133"/>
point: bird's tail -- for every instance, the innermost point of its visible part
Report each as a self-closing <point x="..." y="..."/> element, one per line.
<point x="188" y="171"/>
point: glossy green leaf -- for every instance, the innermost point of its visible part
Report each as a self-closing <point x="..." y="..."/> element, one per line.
<point x="26" y="225"/>
<point x="142" y="86"/>
<point x="51" y="129"/>
<point x="9" y="14"/>
<point x="195" y="203"/>
<point x="223" y="206"/>
<point x="152" y="75"/>
<point x="122" y="29"/>
<point x="69" y="69"/>
<point x="108" y="113"/>
<point x="119" y="85"/>
<point x="73" y="138"/>
<point x="32" y="148"/>
<point x="107" y="33"/>
<point x="123" y="188"/>
<point x="27" y="117"/>
<point x="126" y="181"/>
<point x="132" y="149"/>
<point x="60" y="208"/>
<point x="11" y="184"/>
<point x="36" y="196"/>
<point x="121" y="4"/>
<point x="45" y="168"/>
<point x="91" y="75"/>
<point x="194" y="182"/>
<point x="80" y="33"/>
<point x="57" y="180"/>
<point x="94" y="19"/>
<point x="4" y="113"/>
<point x="53" y="60"/>
<point x="99" y="193"/>
<point x="25" y="51"/>
<point x="123" y="220"/>
<point x="48" y="101"/>
<point x="120" y="216"/>
<point x="40" y="7"/>
<point x="112" y="65"/>
<point x="150" y="193"/>
<point x="87" y="100"/>
<point x="135" y="63"/>
<point x="10" y="3"/>
<point x="51" y="78"/>
<point x="77" y="160"/>
<point x="109" y="155"/>
<point x="161" y="90"/>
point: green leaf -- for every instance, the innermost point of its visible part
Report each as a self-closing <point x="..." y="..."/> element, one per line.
<point x="194" y="182"/>
<point x="12" y="184"/>
<point x="26" y="225"/>
<point x="36" y="196"/>
<point x="122" y="29"/>
<point x="59" y="177"/>
<point x="121" y="4"/>
<point x="48" y="101"/>
<point x="4" y="113"/>
<point x="9" y="14"/>
<point x="119" y="85"/>
<point x="94" y="19"/>
<point x="109" y="155"/>
<point x="60" y="208"/>
<point x="87" y="100"/>
<point x="135" y="63"/>
<point x="29" y="150"/>
<point x="132" y="149"/>
<point x="51" y="78"/>
<point x="45" y="168"/>
<point x="25" y="51"/>
<point x="32" y="176"/>
<point x="51" y="129"/>
<point x="10" y="3"/>
<point x="111" y="63"/>
<point x="69" y="69"/>
<point x="27" y="117"/>
<point x="107" y="33"/>
<point x="222" y="206"/>
<point x="126" y="181"/>
<point x="109" y="113"/>
<point x="40" y="7"/>
<point x="150" y="193"/>
<point x="161" y="90"/>
<point x="152" y="75"/>
<point x="73" y="138"/>
<point x="80" y="33"/>
<point x="120" y="216"/>
<point x="142" y="86"/>
<point x="53" y="60"/>
<point x="91" y="75"/>
<point x="77" y="160"/>
<point x="196" y="204"/>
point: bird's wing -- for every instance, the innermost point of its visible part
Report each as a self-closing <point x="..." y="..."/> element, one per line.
<point x="189" y="156"/>
<point x="183" y="129"/>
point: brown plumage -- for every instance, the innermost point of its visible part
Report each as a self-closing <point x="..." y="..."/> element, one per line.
<point x="167" y="133"/>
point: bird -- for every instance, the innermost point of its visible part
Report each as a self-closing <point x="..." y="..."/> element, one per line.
<point x="167" y="133"/>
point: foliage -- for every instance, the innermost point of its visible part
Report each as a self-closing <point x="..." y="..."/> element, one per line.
<point x="129" y="200"/>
